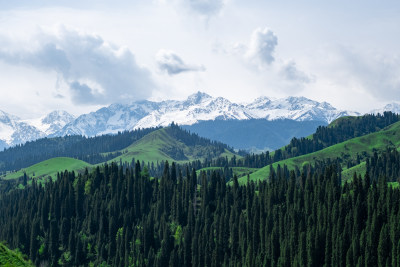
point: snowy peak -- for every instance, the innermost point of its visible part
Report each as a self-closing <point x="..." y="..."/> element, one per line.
<point x="197" y="107"/>
<point x="58" y="116"/>
<point x="144" y="114"/>
<point x="197" y="98"/>
<point x="393" y="107"/>
<point x="15" y="131"/>
<point x="260" y="103"/>
<point x="294" y="108"/>
<point x="56" y="120"/>
<point x="52" y="122"/>
<point x="7" y="118"/>
<point x="109" y="120"/>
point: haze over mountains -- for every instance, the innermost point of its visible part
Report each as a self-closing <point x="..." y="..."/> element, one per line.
<point x="197" y="108"/>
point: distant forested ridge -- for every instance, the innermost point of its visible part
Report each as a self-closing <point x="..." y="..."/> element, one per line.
<point x="102" y="148"/>
<point x="339" y="131"/>
<point x="121" y="217"/>
<point x="89" y="149"/>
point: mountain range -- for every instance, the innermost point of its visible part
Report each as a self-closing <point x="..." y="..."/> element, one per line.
<point x="197" y="108"/>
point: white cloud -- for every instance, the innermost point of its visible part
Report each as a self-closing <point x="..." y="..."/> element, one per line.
<point x="96" y="71"/>
<point x="259" y="55"/>
<point x="172" y="64"/>
<point x="262" y="47"/>
<point x="259" y="52"/>
<point x="291" y="72"/>
<point x="205" y="7"/>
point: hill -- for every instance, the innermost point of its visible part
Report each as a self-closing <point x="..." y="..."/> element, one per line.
<point x="337" y="132"/>
<point x="348" y="151"/>
<point x="11" y="258"/>
<point x="49" y="168"/>
<point x="173" y="144"/>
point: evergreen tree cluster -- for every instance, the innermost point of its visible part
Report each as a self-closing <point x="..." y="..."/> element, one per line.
<point x="114" y="216"/>
<point x="385" y="164"/>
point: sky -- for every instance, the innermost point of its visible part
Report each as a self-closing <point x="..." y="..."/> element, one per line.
<point x="79" y="56"/>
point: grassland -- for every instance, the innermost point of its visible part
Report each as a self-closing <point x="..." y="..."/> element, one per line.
<point x="11" y="258"/>
<point x="50" y="168"/>
<point x="148" y="148"/>
<point x="389" y="136"/>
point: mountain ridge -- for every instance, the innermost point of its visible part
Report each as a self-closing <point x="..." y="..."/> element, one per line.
<point x="197" y="107"/>
<point x="194" y="109"/>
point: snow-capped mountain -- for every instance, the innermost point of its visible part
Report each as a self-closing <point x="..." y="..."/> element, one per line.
<point x="295" y="108"/>
<point x="143" y="114"/>
<point x="197" y="107"/>
<point x="111" y="119"/>
<point x="393" y="107"/>
<point x="52" y="122"/>
<point x="14" y="131"/>
<point x="202" y="107"/>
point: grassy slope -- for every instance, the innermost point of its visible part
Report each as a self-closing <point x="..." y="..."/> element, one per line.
<point x="348" y="174"/>
<point x="389" y="136"/>
<point x="345" y="118"/>
<point x="12" y="258"/>
<point x="149" y="149"/>
<point x="50" y="168"/>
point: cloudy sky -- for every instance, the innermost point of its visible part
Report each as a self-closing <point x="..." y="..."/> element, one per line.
<point x="80" y="56"/>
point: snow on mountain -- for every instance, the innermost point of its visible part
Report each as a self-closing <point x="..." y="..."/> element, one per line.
<point x="143" y="114"/>
<point x="393" y="107"/>
<point x="198" y="107"/>
<point x="109" y="120"/>
<point x="15" y="131"/>
<point x="52" y="122"/>
<point x="295" y="108"/>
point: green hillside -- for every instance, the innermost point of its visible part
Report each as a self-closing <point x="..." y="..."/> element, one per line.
<point x="50" y="168"/>
<point x="10" y="258"/>
<point x="340" y="120"/>
<point x="162" y="145"/>
<point x="348" y="174"/>
<point x="172" y="144"/>
<point x="390" y="136"/>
